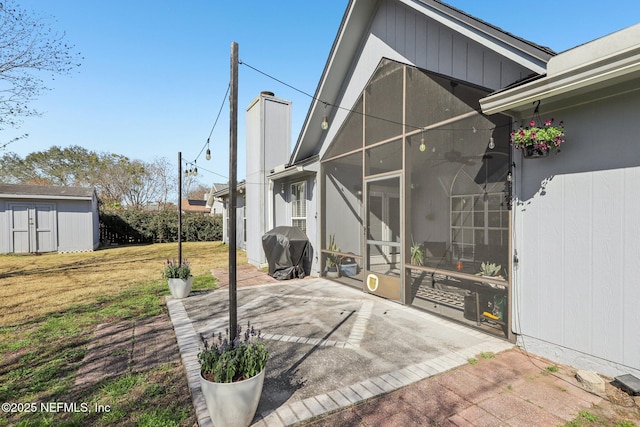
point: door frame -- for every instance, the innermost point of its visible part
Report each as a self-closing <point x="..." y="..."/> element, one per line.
<point x="387" y="286"/>
<point x="33" y="227"/>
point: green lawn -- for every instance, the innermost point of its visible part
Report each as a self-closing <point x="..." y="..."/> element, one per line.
<point x="51" y="304"/>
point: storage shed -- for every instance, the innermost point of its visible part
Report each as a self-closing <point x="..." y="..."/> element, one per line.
<point x="37" y="219"/>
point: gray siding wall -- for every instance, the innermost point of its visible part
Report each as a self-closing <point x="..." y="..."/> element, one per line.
<point x="577" y="238"/>
<point x="282" y="214"/>
<point x="268" y="133"/>
<point x="75" y="226"/>
<point x="5" y="233"/>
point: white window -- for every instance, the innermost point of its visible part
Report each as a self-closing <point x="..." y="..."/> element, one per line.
<point x="299" y="206"/>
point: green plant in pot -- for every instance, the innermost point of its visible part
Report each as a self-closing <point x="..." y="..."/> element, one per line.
<point x="232" y="376"/>
<point x="537" y="140"/>
<point x="333" y="260"/>
<point x="417" y="254"/>
<point x="179" y="278"/>
<point x="488" y="269"/>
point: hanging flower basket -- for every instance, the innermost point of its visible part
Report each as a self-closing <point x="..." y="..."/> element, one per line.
<point x="537" y="141"/>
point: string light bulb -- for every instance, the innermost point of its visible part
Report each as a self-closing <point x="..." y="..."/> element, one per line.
<point x="208" y="154"/>
<point x="195" y="169"/>
<point x="423" y="146"/>
<point x="325" y="123"/>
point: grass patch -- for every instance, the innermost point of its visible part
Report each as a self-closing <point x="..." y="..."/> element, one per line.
<point x="44" y="340"/>
<point x="487" y="355"/>
<point x="552" y="368"/>
<point x="472" y="361"/>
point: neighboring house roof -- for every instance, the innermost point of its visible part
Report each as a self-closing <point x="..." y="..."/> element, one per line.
<point x="224" y="192"/>
<point x="20" y="191"/>
<point x="354" y="26"/>
<point x="194" y="205"/>
<point x="210" y="196"/>
<point x="599" y="68"/>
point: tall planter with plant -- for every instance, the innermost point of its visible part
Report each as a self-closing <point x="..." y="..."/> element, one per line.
<point x="333" y="260"/>
<point x="179" y="278"/>
<point x="232" y="376"/>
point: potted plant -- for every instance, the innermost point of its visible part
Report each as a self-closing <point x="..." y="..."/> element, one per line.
<point x="333" y="259"/>
<point x="538" y="141"/>
<point x="488" y="269"/>
<point x="179" y="278"/>
<point x="417" y="254"/>
<point x="232" y="376"/>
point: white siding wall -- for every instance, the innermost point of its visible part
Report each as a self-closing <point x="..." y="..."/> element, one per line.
<point x="577" y="237"/>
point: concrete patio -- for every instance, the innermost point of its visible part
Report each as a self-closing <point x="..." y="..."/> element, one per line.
<point x="333" y="348"/>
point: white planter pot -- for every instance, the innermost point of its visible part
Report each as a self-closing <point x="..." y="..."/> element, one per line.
<point x="232" y="404"/>
<point x="180" y="288"/>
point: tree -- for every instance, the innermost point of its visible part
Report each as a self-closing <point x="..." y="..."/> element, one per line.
<point x="28" y="48"/>
<point x="118" y="180"/>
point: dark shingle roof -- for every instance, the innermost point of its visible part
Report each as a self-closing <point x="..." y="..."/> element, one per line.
<point x="21" y="190"/>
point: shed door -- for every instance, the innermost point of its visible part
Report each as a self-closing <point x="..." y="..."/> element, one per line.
<point x="33" y="227"/>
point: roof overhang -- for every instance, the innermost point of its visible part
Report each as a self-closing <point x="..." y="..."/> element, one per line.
<point x="43" y="197"/>
<point x="306" y="168"/>
<point x="601" y="68"/>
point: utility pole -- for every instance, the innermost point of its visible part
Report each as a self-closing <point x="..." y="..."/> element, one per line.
<point x="233" y="168"/>
<point x="179" y="207"/>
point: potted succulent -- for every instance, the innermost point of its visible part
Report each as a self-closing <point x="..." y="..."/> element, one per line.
<point x="232" y="376"/>
<point x="538" y="141"/>
<point x="179" y="278"/>
<point x="488" y="269"/>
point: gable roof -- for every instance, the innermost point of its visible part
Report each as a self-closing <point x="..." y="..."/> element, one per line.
<point x="356" y="23"/>
<point x="21" y="191"/>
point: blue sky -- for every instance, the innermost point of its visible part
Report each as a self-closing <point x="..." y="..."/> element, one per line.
<point x="155" y="72"/>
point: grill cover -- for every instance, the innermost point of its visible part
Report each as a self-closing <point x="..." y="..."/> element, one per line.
<point x="285" y="249"/>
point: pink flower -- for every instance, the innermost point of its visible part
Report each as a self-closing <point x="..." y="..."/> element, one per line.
<point x="532" y="123"/>
<point x="548" y="122"/>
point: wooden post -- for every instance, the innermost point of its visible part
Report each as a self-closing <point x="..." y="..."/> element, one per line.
<point x="233" y="167"/>
<point x="179" y="207"/>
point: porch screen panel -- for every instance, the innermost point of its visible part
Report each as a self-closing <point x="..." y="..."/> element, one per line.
<point x="383" y="102"/>
<point x="342" y="203"/>
<point x="349" y="136"/>
<point x="432" y="99"/>
<point x="383" y="158"/>
<point x="458" y="193"/>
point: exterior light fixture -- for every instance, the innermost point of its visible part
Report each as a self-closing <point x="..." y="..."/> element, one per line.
<point x="492" y="144"/>
<point x="423" y="146"/>
<point x="325" y="123"/>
